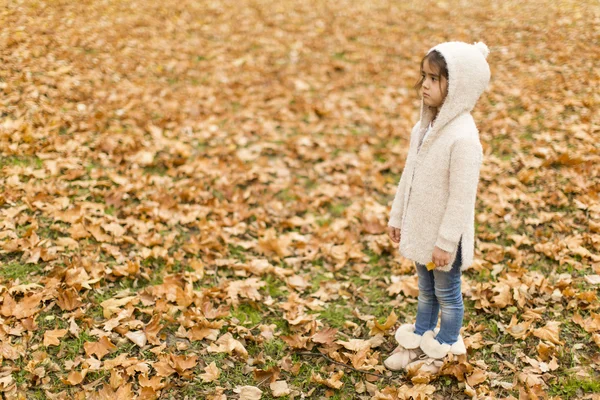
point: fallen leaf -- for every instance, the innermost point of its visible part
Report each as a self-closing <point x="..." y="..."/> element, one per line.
<point x="137" y="337"/>
<point x="76" y="377"/>
<point x="478" y="376"/>
<point x="248" y="392"/>
<point x="211" y="373"/>
<point x="99" y="348"/>
<point x="333" y="382"/>
<point x="51" y="337"/>
<point x="324" y="336"/>
<point x="280" y="388"/>
<point x="550" y="332"/>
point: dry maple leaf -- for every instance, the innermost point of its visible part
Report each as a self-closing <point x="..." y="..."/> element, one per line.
<point x="271" y="244"/>
<point x="152" y="329"/>
<point x="279" y="388"/>
<point x="211" y="373"/>
<point x="51" y="337"/>
<point x="383" y="328"/>
<point x="550" y="332"/>
<point x="295" y="341"/>
<point x="227" y="344"/>
<point x="182" y="363"/>
<point x="247" y="288"/>
<point x="407" y="285"/>
<point x="478" y="376"/>
<point x="248" y="392"/>
<point x="155" y="382"/>
<point x="590" y="324"/>
<point x="76" y="377"/>
<point x="163" y="368"/>
<point x="333" y="382"/>
<point x="99" y="348"/>
<point x="325" y="336"/>
<point x="270" y="374"/>
<point x="137" y="337"/>
<point x="9" y="352"/>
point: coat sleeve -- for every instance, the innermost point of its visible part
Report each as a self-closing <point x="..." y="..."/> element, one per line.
<point x="398" y="204"/>
<point x="465" y="164"/>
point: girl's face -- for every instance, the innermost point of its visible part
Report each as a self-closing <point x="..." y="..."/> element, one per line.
<point x="435" y="87"/>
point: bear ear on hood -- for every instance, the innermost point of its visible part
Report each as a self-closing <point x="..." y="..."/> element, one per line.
<point x="482" y="47"/>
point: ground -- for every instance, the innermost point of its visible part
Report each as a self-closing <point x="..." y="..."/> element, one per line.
<point x="195" y="196"/>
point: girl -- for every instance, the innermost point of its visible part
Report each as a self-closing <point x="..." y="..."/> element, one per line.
<point x="432" y="215"/>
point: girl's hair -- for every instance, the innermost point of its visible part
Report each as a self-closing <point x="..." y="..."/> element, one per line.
<point x="436" y="60"/>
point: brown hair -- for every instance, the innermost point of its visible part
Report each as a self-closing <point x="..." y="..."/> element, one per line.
<point x="436" y="60"/>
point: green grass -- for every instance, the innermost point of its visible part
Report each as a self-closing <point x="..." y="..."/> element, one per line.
<point x="574" y="388"/>
<point x="336" y="314"/>
<point x="17" y="270"/>
<point x="247" y="314"/>
<point x="21" y="161"/>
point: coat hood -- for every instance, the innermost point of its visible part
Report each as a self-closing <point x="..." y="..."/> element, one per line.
<point x="468" y="77"/>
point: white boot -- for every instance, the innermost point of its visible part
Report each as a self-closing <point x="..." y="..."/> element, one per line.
<point x="407" y="350"/>
<point x="435" y="349"/>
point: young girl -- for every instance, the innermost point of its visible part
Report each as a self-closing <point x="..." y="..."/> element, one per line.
<point x="433" y="212"/>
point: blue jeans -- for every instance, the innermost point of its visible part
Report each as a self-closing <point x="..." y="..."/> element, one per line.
<point x="438" y="289"/>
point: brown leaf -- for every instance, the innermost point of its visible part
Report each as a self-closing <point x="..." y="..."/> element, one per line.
<point x="295" y="341"/>
<point x="76" y="377"/>
<point x="155" y="382"/>
<point x="383" y="328"/>
<point x="227" y="344"/>
<point x="182" y="363"/>
<point x="550" y="332"/>
<point x="324" y="336"/>
<point x="280" y="388"/>
<point x="152" y="329"/>
<point x="163" y="368"/>
<point x="51" y="338"/>
<point x="99" y="348"/>
<point x="248" y="392"/>
<point x="68" y="299"/>
<point x="333" y="382"/>
<point x="211" y="373"/>
<point x="478" y="376"/>
<point x="137" y="337"/>
<point x="270" y="374"/>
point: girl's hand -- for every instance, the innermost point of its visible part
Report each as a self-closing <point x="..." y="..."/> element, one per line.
<point x="394" y="234"/>
<point x="440" y="257"/>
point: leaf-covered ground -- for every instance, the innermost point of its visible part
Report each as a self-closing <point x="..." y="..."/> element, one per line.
<point x="194" y="197"/>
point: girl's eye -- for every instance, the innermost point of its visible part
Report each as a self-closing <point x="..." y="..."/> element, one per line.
<point x="433" y="79"/>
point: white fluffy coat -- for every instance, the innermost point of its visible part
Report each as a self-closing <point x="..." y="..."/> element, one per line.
<point x="435" y="199"/>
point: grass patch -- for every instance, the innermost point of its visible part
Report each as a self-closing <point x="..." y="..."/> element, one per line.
<point x="247" y="314"/>
<point x="573" y="388"/>
<point x="16" y="270"/>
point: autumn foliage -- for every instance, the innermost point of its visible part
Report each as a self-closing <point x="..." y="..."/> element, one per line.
<point x="172" y="170"/>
